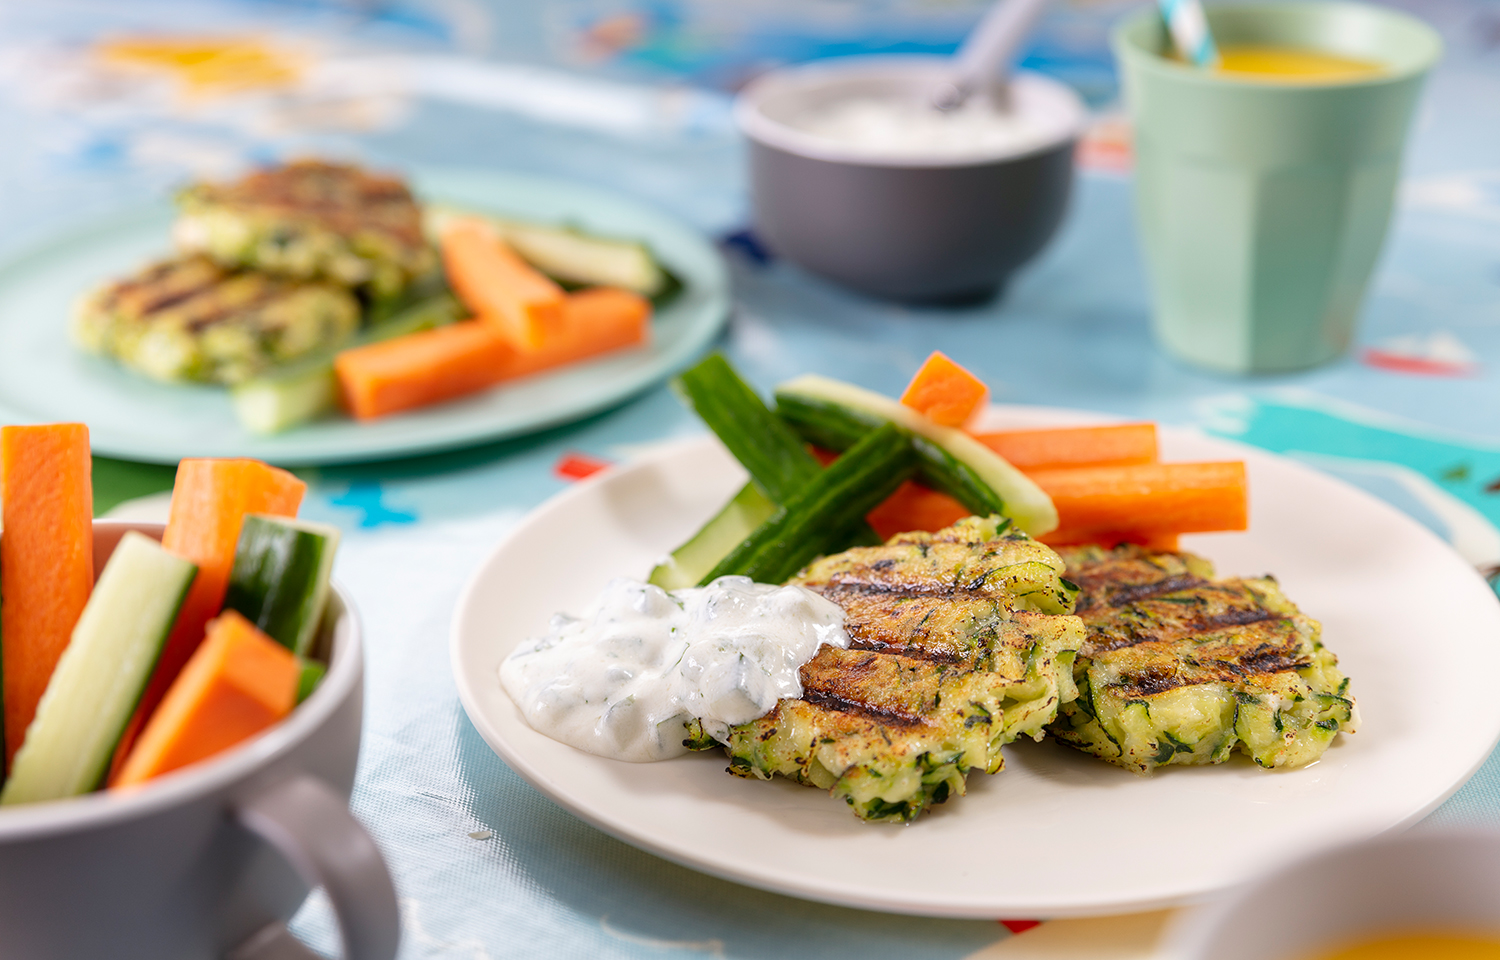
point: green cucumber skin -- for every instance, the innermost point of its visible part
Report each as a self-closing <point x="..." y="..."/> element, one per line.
<point x="837" y="427"/>
<point x="779" y="464"/>
<point x="776" y="459"/>
<point x="30" y="779"/>
<point x="307" y="390"/>
<point x="310" y="674"/>
<point x="737" y="520"/>
<point x="824" y="510"/>
<point x="279" y="580"/>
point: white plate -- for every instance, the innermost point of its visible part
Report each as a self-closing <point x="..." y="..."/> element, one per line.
<point x="44" y="378"/>
<point x="1056" y="833"/>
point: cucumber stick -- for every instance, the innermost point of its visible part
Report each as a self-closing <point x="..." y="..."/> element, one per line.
<point x="310" y="673"/>
<point x="831" y="412"/>
<point x="304" y="391"/>
<point x="778" y="462"/>
<point x="568" y="255"/>
<point x="731" y="525"/>
<point x="819" y="517"/>
<point x="279" y="580"/>
<point x="99" y="678"/>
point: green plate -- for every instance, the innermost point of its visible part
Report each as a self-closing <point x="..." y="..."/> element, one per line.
<point x="43" y="378"/>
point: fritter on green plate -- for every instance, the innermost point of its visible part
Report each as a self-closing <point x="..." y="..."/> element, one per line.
<point x="310" y="220"/>
<point x="190" y="319"/>
<point x="1180" y="668"/>
<point x="960" y="643"/>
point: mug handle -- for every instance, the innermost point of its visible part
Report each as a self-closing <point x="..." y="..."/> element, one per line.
<point x="312" y="827"/>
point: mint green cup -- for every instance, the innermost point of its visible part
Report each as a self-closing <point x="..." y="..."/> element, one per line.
<point x="1263" y="204"/>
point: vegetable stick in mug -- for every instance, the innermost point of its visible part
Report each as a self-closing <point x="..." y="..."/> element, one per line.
<point x="238" y="683"/>
<point x="46" y="560"/>
<point x="209" y="502"/>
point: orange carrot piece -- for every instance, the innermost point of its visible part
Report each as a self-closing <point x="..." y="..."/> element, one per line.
<point x="1053" y="449"/>
<point x="209" y="503"/>
<point x="497" y="285"/>
<point x="597" y="320"/>
<point x="1145" y="500"/>
<point x="945" y="392"/>
<point x="46" y="559"/>
<point x="420" y="368"/>
<point x="915" y="507"/>
<point x="237" y="683"/>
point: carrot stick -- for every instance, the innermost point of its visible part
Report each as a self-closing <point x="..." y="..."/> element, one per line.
<point x="237" y="683"/>
<point x="1054" y="449"/>
<point x="46" y="559"/>
<point x="597" y="320"/>
<point x="945" y="392"/>
<point x="496" y="284"/>
<point x="915" y="507"/>
<point x="209" y="503"/>
<point x="420" y="368"/>
<point x="1145" y="500"/>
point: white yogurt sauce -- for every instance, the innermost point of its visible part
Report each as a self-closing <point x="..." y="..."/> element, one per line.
<point x="908" y="127"/>
<point x="622" y="680"/>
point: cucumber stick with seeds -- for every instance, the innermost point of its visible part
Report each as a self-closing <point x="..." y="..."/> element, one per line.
<point x="818" y="517"/>
<point x="778" y="462"/>
<point x="280" y="577"/>
<point x="99" y="678"/>
<point x="308" y="389"/>
<point x="737" y="520"/>
<point x="835" y="414"/>
<point x="564" y="253"/>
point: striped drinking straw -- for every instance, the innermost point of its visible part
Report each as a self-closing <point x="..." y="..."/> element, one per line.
<point x="1189" y="29"/>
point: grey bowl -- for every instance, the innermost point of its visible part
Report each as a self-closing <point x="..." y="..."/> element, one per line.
<point x="911" y="227"/>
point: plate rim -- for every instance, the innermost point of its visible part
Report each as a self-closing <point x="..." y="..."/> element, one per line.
<point x="434" y="183"/>
<point x="540" y="781"/>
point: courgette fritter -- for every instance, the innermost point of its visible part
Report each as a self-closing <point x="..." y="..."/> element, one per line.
<point x="1180" y="668"/>
<point x="311" y="220"/>
<point x="960" y="643"/>
<point x="190" y="319"/>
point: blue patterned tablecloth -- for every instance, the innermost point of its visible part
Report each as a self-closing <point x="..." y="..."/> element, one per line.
<point x="630" y="94"/>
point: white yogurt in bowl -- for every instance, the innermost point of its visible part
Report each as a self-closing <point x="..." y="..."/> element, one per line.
<point x="623" y="679"/>
<point x="877" y="110"/>
<point x="891" y="127"/>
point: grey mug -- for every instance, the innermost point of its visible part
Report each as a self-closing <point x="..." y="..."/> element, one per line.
<point x="211" y="860"/>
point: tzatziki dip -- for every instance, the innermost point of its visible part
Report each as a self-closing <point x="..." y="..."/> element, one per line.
<point x="623" y="679"/>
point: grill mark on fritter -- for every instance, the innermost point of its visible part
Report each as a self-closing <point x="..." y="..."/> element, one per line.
<point x="221" y="311"/>
<point x="1135" y="593"/>
<point x="161" y="287"/>
<point x="1155" y="631"/>
<point x="925" y="588"/>
<point x="905" y="650"/>
<point x="1271" y="657"/>
<point x="838" y="704"/>
<point x="880" y="620"/>
<point x="1235" y="618"/>
<point x="343" y="198"/>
